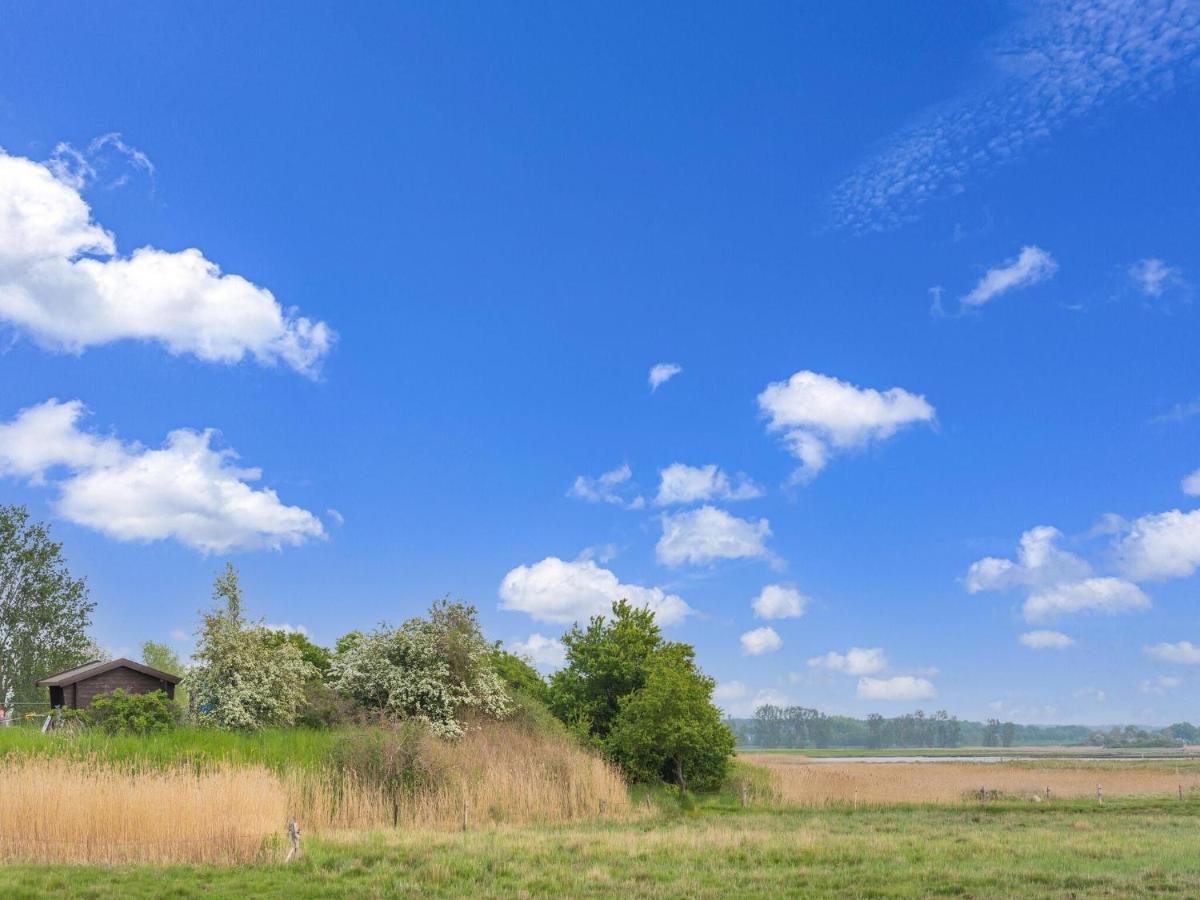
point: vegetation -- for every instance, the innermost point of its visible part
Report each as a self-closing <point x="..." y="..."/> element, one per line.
<point x="44" y="612"/>
<point x="161" y="657"/>
<point x="242" y="678"/>
<point x="1003" y="850"/>
<point x="121" y="713"/>
<point x="434" y="670"/>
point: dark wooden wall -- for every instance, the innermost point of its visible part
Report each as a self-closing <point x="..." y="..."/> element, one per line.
<point x="128" y="680"/>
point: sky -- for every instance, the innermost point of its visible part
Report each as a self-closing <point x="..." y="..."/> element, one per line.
<point x="857" y="341"/>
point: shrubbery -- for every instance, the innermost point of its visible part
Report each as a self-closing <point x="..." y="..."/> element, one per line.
<point x="121" y="713"/>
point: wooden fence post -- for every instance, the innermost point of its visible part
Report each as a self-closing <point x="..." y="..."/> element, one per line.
<point x="1099" y="795"/>
<point x="466" y="807"/>
<point x="293" y="836"/>
<point x="745" y="795"/>
<point x="602" y="809"/>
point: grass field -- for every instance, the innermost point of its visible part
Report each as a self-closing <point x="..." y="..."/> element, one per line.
<point x="1071" y="849"/>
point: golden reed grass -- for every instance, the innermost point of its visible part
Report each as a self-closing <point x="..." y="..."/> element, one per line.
<point x="795" y="781"/>
<point x="58" y="810"/>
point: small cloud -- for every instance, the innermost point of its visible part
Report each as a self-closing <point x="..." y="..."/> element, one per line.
<point x="902" y="687"/>
<point x="1180" y="412"/>
<point x="180" y="635"/>
<point x="855" y="661"/>
<point x="337" y="517"/>
<point x="1191" y="484"/>
<point x="1030" y="266"/>
<point x="1160" y="685"/>
<point x="680" y="483"/>
<point x="1152" y="277"/>
<point x="1046" y="640"/>
<point x="661" y="373"/>
<point x="612" y="487"/>
<point x="1183" y="653"/>
<point x="779" y="601"/>
<point x="760" y="641"/>
<point x="707" y="534"/>
<point x="602" y="553"/>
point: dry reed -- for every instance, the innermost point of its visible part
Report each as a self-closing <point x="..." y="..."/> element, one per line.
<point x="795" y="781"/>
<point x="60" y="810"/>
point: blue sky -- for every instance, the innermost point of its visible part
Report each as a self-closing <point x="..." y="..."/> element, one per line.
<point x="928" y="276"/>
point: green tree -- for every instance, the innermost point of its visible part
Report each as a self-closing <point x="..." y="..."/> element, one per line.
<point x="44" y="612"/>
<point x="161" y="657"/>
<point x="242" y="680"/>
<point x="520" y="676"/>
<point x="436" y="670"/>
<point x="314" y="654"/>
<point x="605" y="662"/>
<point x="669" y="728"/>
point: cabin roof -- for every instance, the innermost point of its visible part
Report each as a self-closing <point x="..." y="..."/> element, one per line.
<point x="99" y="667"/>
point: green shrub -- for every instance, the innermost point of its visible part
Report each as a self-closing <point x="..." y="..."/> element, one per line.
<point x="323" y="707"/>
<point x="122" y="713"/>
<point x="396" y="759"/>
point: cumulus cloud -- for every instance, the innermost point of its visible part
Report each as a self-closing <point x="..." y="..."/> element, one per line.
<point x="819" y="416"/>
<point x="779" y="601"/>
<point x="1184" y="653"/>
<point x="186" y="490"/>
<point x="1057" y="582"/>
<point x="1056" y="65"/>
<point x="1161" y="545"/>
<point x="566" y="592"/>
<point x="543" y="652"/>
<point x="1046" y="640"/>
<point x="680" y="483"/>
<point x="661" y="373"/>
<point x="707" y="534"/>
<point x="63" y="283"/>
<point x="902" y="687"/>
<point x="613" y="487"/>
<point x="1031" y="265"/>
<point x="760" y="641"/>
<point x="285" y="628"/>
<point x="855" y="661"/>
<point x="1191" y="484"/>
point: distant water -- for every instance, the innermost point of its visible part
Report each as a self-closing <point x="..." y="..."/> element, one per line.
<point x="978" y="759"/>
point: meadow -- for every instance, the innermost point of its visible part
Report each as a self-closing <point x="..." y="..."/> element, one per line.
<point x="202" y="814"/>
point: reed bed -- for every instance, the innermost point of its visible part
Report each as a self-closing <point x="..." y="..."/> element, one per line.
<point x="794" y="781"/>
<point x="95" y="811"/>
<point x="55" y="810"/>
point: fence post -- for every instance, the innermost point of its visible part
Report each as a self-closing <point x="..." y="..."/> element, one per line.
<point x="1099" y="795"/>
<point x="466" y="807"/>
<point x="294" y="836"/>
<point x="602" y="809"/>
<point x="1181" y="790"/>
<point x="745" y="795"/>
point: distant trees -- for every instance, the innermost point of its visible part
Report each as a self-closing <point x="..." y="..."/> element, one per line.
<point x="798" y="726"/>
<point x="161" y="657"/>
<point x="436" y="670"/>
<point x="44" y="612"/>
<point x="243" y="678"/>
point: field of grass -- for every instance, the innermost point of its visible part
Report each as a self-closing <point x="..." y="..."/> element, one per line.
<point x="1070" y="849"/>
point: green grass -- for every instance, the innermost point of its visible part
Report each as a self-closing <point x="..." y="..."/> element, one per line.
<point x="276" y="749"/>
<point x="1122" y="849"/>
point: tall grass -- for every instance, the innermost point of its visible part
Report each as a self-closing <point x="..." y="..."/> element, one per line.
<point x="795" y="781"/>
<point x="71" y="808"/>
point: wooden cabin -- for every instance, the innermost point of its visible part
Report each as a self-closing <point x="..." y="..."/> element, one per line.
<point x="75" y="688"/>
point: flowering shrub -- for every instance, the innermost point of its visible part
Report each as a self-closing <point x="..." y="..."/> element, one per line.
<point x="435" y="670"/>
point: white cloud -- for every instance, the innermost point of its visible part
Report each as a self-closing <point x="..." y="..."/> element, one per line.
<point x="1153" y="276"/>
<point x="1161" y="545"/>
<point x="779" y="601"/>
<point x="545" y="653"/>
<point x="902" y="687"/>
<point x="1160" y="685"/>
<point x="285" y="628"/>
<point x="566" y="592"/>
<point x="1107" y="596"/>
<point x="179" y="634"/>
<point x="855" y="661"/>
<point x="661" y="373"/>
<point x="680" y="483"/>
<point x="186" y="490"/>
<point x="1055" y="65"/>
<point x="63" y="284"/>
<point x="611" y="487"/>
<point x="1184" y="653"/>
<point x="1191" y="484"/>
<point x="338" y="519"/>
<point x="760" y="641"/>
<point x="819" y="415"/>
<point x="1046" y="640"/>
<point x="706" y="534"/>
<point x="734" y="698"/>
<point x="1058" y="582"/>
<point x="1031" y="265"/>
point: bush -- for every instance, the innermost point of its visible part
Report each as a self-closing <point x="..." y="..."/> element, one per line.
<point x="122" y="713"/>
<point x="323" y="707"/>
